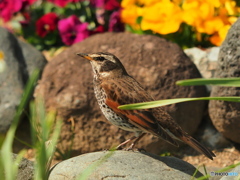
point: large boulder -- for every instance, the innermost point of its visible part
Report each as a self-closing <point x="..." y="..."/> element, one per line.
<point x="123" y="165"/>
<point x="66" y="85"/>
<point x="17" y="61"/>
<point x="225" y="115"/>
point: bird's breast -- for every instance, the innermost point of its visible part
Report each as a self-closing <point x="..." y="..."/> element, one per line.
<point x="110" y="115"/>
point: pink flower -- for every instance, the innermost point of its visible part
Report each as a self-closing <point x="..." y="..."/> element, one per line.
<point x="72" y="30"/>
<point x="99" y="29"/>
<point x="111" y="5"/>
<point x="115" y="23"/>
<point x="8" y="8"/>
<point x="62" y="3"/>
<point x="106" y="4"/>
<point x="47" y="23"/>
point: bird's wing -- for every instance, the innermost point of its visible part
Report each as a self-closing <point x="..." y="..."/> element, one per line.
<point x="121" y="92"/>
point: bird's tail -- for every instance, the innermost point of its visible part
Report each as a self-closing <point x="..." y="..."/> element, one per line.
<point x="197" y="146"/>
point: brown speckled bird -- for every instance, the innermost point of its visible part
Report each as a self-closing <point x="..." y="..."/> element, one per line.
<point x="114" y="87"/>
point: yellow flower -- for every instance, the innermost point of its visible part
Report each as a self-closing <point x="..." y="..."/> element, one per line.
<point x="210" y="26"/>
<point x="147" y="2"/>
<point x="126" y="3"/>
<point x="220" y="36"/>
<point x="231" y="7"/>
<point x="163" y="17"/>
<point x="195" y="11"/>
<point x="129" y="14"/>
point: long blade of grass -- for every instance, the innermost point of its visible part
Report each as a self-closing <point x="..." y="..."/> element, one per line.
<point x="54" y="139"/>
<point x="6" y="149"/>
<point x="233" y="82"/>
<point x="45" y="133"/>
<point x="154" y="104"/>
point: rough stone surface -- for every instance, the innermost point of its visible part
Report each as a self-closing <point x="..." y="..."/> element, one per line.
<point x="66" y="85"/>
<point x="205" y="60"/>
<point x="124" y="165"/>
<point x="25" y="169"/>
<point x="32" y="57"/>
<point x="20" y="59"/>
<point x="225" y="115"/>
<point x="12" y="79"/>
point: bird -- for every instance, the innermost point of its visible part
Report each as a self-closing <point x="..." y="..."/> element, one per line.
<point x="113" y="87"/>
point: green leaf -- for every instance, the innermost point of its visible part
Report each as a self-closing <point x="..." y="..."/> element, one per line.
<point x="139" y="19"/>
<point x="233" y="82"/>
<point x="154" y="104"/>
<point x="9" y="166"/>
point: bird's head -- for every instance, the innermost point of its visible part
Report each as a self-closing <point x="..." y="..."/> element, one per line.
<point x="105" y="64"/>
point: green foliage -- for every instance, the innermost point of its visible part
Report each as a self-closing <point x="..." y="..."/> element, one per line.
<point x="53" y="39"/>
<point x="8" y="166"/>
<point x="234" y="82"/>
<point x="45" y="133"/>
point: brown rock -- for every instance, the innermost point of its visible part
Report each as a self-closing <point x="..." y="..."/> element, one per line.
<point x="157" y="64"/>
<point x="225" y="115"/>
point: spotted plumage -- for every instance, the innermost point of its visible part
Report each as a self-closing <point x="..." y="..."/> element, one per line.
<point x="114" y="87"/>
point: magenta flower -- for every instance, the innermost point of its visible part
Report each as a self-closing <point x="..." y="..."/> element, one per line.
<point x="8" y="8"/>
<point x="111" y="5"/>
<point x="47" y="23"/>
<point x="115" y="23"/>
<point x="72" y="30"/>
<point x="106" y="4"/>
<point x="62" y="3"/>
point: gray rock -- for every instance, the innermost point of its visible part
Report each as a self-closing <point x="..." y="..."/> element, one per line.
<point x="25" y="169"/>
<point x="123" y="165"/>
<point x="205" y="60"/>
<point x="32" y="57"/>
<point x="233" y="174"/>
<point x="212" y="138"/>
<point x="12" y="79"/>
<point x="225" y="115"/>
<point x="19" y="60"/>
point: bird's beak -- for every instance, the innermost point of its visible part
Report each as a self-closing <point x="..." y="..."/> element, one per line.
<point x="86" y="56"/>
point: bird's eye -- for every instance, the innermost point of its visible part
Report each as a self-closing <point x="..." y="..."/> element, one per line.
<point x="100" y="58"/>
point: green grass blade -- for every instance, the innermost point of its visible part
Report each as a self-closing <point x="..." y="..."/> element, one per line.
<point x="233" y="82"/>
<point x="154" y="104"/>
<point x="226" y="169"/>
<point x="6" y="149"/>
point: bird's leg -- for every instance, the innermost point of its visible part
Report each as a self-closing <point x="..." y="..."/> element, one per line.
<point x="125" y="142"/>
<point x="135" y="141"/>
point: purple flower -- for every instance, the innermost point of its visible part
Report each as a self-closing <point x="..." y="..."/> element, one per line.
<point x="8" y="8"/>
<point x="72" y="30"/>
<point x="115" y="23"/>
